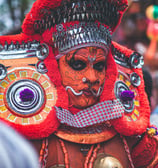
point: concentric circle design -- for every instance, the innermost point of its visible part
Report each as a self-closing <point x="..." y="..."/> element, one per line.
<point x="135" y="79"/>
<point x="120" y="87"/>
<point x="123" y="83"/>
<point x="136" y="60"/>
<point x="28" y="105"/>
<point x="26" y="96"/>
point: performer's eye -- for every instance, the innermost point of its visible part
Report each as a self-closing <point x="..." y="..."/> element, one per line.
<point x="99" y="66"/>
<point x="78" y="65"/>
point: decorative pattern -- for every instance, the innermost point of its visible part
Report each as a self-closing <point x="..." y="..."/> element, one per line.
<point x="127" y="95"/>
<point x="90" y="158"/>
<point x="96" y="114"/>
<point x="66" y="158"/>
<point x="134" y="61"/>
<point x="131" y="107"/>
<point x="135" y="79"/>
<point x="86" y="34"/>
<point x="120" y="58"/>
<point x="25" y="97"/>
<point x="21" y="110"/>
<point x="24" y="50"/>
<point x="43" y="153"/>
<point x="87" y="10"/>
<point x="127" y="151"/>
<point x="121" y="87"/>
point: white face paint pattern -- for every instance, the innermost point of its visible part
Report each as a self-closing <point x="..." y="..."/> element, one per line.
<point x="80" y="93"/>
<point x="73" y="91"/>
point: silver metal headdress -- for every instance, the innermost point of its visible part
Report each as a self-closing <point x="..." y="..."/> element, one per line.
<point x="81" y="35"/>
<point x="104" y="11"/>
<point x="87" y="33"/>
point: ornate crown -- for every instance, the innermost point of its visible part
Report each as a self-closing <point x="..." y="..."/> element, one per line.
<point x="75" y="23"/>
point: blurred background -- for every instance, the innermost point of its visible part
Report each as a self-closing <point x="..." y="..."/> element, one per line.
<point x="12" y="13"/>
<point x="138" y="31"/>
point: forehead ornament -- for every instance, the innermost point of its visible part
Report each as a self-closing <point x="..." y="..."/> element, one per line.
<point x="91" y="58"/>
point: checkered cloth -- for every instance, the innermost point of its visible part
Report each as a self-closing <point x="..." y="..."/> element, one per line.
<point x="96" y="114"/>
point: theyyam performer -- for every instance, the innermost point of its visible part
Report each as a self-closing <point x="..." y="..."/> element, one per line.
<point x="74" y="93"/>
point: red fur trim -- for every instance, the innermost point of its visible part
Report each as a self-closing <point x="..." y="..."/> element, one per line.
<point x="36" y="13"/>
<point x="40" y="6"/>
<point x="121" y="12"/>
<point x="54" y="75"/>
<point x="19" y="37"/>
<point x="122" y="49"/>
<point x="128" y="128"/>
<point x="119" y="2"/>
<point x="37" y="131"/>
<point x="144" y="152"/>
<point x="110" y="79"/>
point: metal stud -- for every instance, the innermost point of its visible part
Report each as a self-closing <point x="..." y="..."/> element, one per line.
<point x="42" y="51"/>
<point x="136" y="60"/>
<point x="1" y="47"/>
<point x="135" y="79"/>
<point x="41" y="68"/>
<point x="3" y="71"/>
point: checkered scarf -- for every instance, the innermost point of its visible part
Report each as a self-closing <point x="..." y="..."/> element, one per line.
<point x="96" y="114"/>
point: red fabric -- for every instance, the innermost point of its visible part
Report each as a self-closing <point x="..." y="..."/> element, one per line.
<point x="37" y="131"/>
<point x="144" y="152"/>
<point x="110" y="79"/>
<point x="121" y="12"/>
<point x="123" y="49"/>
<point x="122" y="125"/>
<point x="19" y="37"/>
<point x="54" y="75"/>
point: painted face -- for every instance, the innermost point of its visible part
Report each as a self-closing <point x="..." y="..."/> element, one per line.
<point x="83" y="75"/>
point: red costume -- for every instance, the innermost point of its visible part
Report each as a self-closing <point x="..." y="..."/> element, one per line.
<point x="78" y="96"/>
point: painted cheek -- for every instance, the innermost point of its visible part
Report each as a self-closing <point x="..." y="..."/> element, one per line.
<point x="75" y="76"/>
<point x="100" y="76"/>
<point x="73" y="80"/>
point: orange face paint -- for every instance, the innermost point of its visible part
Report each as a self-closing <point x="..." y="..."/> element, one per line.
<point x="83" y="75"/>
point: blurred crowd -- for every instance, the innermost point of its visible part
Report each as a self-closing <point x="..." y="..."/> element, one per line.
<point x="139" y="31"/>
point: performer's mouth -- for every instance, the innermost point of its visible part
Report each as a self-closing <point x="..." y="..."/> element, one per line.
<point x="89" y="92"/>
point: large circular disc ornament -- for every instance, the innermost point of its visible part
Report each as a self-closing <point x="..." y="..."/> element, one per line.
<point x="132" y="107"/>
<point x="26" y="96"/>
<point x="120" y="87"/>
